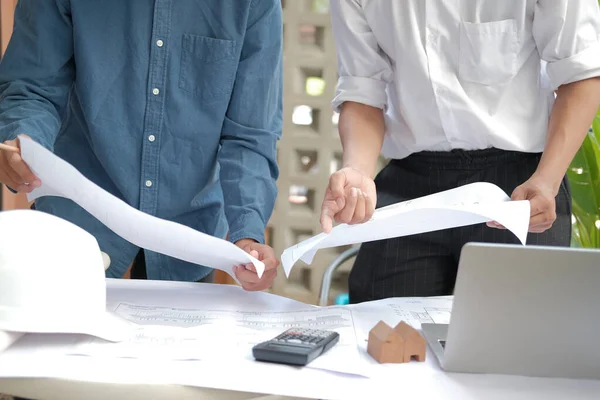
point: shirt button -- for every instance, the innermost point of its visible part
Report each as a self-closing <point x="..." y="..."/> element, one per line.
<point x="151" y="138"/>
<point x="155" y="91"/>
<point x="148" y="183"/>
<point x="159" y="43"/>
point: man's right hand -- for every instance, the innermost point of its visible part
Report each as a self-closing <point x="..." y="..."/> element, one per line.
<point x="14" y="173"/>
<point x="350" y="198"/>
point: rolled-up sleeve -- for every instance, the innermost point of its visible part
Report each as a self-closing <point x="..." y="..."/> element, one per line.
<point x="364" y="69"/>
<point x="252" y="127"/>
<point x="36" y="72"/>
<point x="567" y="34"/>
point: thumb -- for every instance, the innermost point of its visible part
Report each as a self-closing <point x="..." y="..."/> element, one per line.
<point x="520" y="193"/>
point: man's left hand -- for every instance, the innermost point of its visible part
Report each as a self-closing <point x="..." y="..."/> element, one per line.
<point x="541" y="195"/>
<point x="247" y="273"/>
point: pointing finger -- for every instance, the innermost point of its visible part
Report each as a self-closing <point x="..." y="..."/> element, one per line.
<point x="327" y="215"/>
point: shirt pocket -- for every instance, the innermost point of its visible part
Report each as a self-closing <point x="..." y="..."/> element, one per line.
<point x="488" y="52"/>
<point x="208" y="67"/>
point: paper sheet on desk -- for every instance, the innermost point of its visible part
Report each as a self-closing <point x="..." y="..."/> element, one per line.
<point x="8" y="338"/>
<point x="167" y="333"/>
<point x="466" y="205"/>
<point x="61" y="179"/>
<point x="412" y="310"/>
<point x="44" y="356"/>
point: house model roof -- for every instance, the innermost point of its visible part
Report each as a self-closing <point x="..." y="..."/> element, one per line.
<point x="396" y="345"/>
<point x="408" y="332"/>
<point x="382" y="331"/>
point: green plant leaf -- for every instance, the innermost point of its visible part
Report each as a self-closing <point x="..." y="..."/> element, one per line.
<point x="584" y="176"/>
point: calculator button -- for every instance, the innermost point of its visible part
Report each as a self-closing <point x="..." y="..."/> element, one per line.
<point x="294" y="341"/>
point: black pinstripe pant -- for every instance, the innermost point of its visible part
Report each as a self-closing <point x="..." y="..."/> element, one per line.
<point x="426" y="264"/>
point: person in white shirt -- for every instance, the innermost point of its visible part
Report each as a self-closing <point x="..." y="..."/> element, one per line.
<point x="455" y="92"/>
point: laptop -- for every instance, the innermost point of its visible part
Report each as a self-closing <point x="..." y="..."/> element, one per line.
<point x="522" y="310"/>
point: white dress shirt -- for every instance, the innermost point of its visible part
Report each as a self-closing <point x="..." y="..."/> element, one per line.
<point x="463" y="73"/>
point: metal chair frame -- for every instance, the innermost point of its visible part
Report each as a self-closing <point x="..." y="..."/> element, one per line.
<point x="330" y="270"/>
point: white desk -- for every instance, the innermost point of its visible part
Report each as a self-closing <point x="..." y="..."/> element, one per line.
<point x="60" y="389"/>
<point x="61" y="377"/>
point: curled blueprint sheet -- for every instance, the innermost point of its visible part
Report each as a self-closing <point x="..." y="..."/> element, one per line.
<point x="61" y="179"/>
<point x="466" y="205"/>
<point x="168" y="333"/>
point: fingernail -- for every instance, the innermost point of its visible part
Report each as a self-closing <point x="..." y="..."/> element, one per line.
<point x="354" y="192"/>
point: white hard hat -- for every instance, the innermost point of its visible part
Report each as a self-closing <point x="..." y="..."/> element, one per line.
<point x="52" y="278"/>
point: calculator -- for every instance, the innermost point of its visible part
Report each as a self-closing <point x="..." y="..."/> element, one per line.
<point x="296" y="346"/>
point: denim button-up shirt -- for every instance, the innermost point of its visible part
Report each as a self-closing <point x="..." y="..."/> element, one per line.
<point x="174" y="106"/>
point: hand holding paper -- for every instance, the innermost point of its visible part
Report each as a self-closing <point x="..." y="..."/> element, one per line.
<point x="247" y="274"/>
<point x="542" y="198"/>
<point x="350" y="198"/>
<point x="466" y="205"/>
<point x="14" y="172"/>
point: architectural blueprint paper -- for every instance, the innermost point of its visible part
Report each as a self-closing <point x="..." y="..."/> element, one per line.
<point x="175" y="333"/>
<point x="466" y="205"/>
<point x="201" y="334"/>
<point x="412" y="310"/>
<point x="44" y="356"/>
<point x="61" y="179"/>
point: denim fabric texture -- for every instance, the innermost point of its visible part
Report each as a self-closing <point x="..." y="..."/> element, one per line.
<point x="174" y="106"/>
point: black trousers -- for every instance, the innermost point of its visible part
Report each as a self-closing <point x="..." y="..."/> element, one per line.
<point x="426" y="264"/>
<point x="138" y="269"/>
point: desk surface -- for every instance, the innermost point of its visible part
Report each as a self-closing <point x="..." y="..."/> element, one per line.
<point x="86" y="377"/>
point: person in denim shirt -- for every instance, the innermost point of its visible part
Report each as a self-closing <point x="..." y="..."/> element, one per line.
<point x="174" y="106"/>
